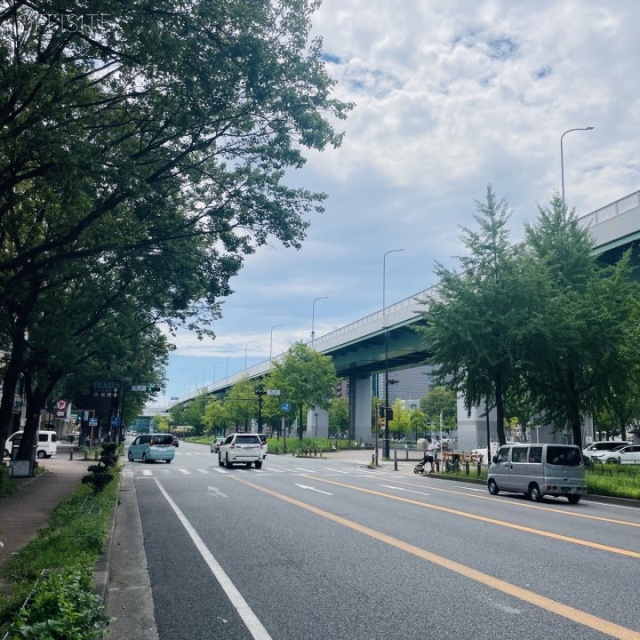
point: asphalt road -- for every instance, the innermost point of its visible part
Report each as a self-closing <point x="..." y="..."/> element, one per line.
<point x="311" y="548"/>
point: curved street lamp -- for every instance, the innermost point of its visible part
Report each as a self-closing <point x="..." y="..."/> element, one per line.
<point x="564" y="205"/>
<point x="271" y="341"/>
<point x="385" y="441"/>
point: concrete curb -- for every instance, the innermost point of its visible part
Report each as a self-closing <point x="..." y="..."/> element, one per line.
<point x="129" y="597"/>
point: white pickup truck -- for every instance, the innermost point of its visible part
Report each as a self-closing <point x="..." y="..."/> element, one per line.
<point x="239" y="448"/>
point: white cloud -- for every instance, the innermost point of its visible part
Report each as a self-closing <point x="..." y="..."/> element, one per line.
<point x="449" y="97"/>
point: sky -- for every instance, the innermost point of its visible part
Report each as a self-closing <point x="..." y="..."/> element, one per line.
<point x="450" y="96"/>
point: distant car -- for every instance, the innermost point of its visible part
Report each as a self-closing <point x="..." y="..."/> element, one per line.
<point x="625" y="454"/>
<point x="216" y="444"/>
<point x="150" y="447"/>
<point x="265" y="444"/>
<point x="176" y="442"/>
<point x="596" y="449"/>
<point x="245" y="448"/>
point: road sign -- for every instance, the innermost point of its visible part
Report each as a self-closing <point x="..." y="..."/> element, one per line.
<point x="285" y="406"/>
<point x="93" y="422"/>
<point x="138" y="387"/>
<point x="273" y="392"/>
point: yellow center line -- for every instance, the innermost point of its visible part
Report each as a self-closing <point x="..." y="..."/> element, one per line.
<point x="472" y="516"/>
<point x="523" y="505"/>
<point x="576" y="615"/>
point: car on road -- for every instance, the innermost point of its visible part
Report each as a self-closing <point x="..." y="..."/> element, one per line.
<point x="537" y="470"/>
<point x="624" y="454"/>
<point x="241" y="448"/>
<point x="596" y="449"/>
<point x="150" y="447"/>
<point x="265" y="444"/>
<point x="216" y="444"/>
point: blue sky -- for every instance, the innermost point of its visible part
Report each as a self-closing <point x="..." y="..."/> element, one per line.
<point x="450" y="96"/>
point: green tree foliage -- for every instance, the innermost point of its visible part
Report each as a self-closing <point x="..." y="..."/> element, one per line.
<point x="306" y="379"/>
<point x="154" y="140"/>
<point x="191" y="413"/>
<point x="215" y="417"/>
<point x="574" y="349"/>
<point x="470" y="321"/>
<point x="437" y="401"/>
<point x="338" y="416"/>
<point x="241" y="405"/>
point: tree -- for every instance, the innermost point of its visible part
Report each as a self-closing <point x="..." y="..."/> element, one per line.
<point x="305" y="378"/>
<point x="338" y="416"/>
<point x="215" y="416"/>
<point x="469" y="322"/>
<point x="440" y="401"/>
<point x="241" y="404"/>
<point x="582" y="317"/>
<point x="191" y="413"/>
<point x="129" y="141"/>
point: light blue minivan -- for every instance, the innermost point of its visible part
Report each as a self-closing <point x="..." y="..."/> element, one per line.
<point x="150" y="447"/>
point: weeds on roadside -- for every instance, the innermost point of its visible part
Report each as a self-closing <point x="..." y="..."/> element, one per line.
<point x="67" y="549"/>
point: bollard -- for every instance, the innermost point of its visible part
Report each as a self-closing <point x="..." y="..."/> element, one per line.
<point x="395" y="459"/>
<point x="71" y="454"/>
<point x="86" y="453"/>
<point x="466" y="467"/>
<point x="373" y="459"/>
<point x="438" y="466"/>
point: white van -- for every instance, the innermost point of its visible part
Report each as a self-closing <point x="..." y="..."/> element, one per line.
<point x="47" y="443"/>
<point x="538" y="470"/>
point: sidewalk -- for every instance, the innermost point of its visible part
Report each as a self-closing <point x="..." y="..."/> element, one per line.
<point x="28" y="510"/>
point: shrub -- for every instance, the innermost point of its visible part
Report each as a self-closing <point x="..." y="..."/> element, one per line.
<point x="61" y="606"/>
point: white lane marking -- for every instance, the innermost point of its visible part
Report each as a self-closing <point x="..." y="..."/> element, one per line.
<point x="307" y="470"/>
<point x="483" y="490"/>
<point x="147" y="472"/>
<point x="216" y="492"/>
<point x="304" y="486"/>
<point x="221" y="470"/>
<point x="244" y="610"/>
<point x="203" y="470"/>
<point x="185" y="471"/>
<point x="338" y="470"/>
<point x="390" y="486"/>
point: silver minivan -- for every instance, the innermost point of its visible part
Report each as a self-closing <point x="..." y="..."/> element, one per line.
<point x="538" y="470"/>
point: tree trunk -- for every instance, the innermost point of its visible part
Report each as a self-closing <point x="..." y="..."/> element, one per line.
<point x="10" y="381"/>
<point x="499" y="410"/>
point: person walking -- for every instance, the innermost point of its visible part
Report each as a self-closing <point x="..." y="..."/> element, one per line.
<point x="428" y="455"/>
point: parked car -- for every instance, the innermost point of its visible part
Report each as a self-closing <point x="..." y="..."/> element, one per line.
<point x="243" y="448"/>
<point x="538" y="470"/>
<point x="265" y="444"/>
<point x="624" y="454"/>
<point x="216" y="444"/>
<point x="46" y="446"/>
<point x="150" y="447"/>
<point x="176" y="442"/>
<point x="597" y="448"/>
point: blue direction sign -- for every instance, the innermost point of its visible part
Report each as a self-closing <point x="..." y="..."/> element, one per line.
<point x="285" y="406"/>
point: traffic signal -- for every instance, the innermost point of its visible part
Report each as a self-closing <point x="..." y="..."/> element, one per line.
<point x="151" y="389"/>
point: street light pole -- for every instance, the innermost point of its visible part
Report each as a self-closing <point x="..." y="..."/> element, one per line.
<point x="271" y="340"/>
<point x="260" y="393"/>
<point x="245" y="352"/>
<point x="313" y="317"/>
<point x="564" y="205"/>
<point x="385" y="442"/>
